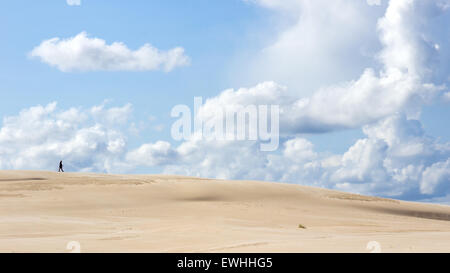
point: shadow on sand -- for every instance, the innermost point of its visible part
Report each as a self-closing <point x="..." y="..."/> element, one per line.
<point x="22" y="179"/>
<point x="433" y="215"/>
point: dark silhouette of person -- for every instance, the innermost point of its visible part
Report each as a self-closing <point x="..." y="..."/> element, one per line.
<point x="60" y="167"/>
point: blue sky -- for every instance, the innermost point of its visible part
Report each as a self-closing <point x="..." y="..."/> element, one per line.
<point x="361" y="78"/>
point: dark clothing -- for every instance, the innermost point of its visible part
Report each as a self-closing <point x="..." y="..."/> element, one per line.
<point x="60" y="167"/>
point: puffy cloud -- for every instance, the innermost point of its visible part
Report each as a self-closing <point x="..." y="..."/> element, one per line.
<point x="218" y="159"/>
<point x="204" y="158"/>
<point x="363" y="162"/>
<point x="392" y="159"/>
<point x="156" y="154"/>
<point x="396" y="158"/>
<point x="299" y="150"/>
<point x="349" y="105"/>
<point x="356" y="103"/>
<point x="230" y="100"/>
<point x="403" y="82"/>
<point x="40" y="136"/>
<point x="82" y="53"/>
<point x="435" y="176"/>
<point x="73" y="2"/>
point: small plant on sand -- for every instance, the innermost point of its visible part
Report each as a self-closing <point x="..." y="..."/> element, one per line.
<point x="301" y="226"/>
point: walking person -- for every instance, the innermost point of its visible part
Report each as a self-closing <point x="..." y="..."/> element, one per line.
<point x="60" y="166"/>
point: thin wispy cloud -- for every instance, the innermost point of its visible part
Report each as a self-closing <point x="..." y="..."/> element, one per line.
<point x="73" y="2"/>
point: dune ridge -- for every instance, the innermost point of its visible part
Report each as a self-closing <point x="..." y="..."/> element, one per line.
<point x="44" y="211"/>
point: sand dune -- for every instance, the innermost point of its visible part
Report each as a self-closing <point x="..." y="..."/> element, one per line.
<point x="43" y="212"/>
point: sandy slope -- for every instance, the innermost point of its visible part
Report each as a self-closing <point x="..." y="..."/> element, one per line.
<point x="43" y="212"/>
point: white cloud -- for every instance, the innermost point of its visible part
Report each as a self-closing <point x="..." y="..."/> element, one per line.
<point x="82" y="53"/>
<point x="396" y="158"/>
<point x="356" y="103"/>
<point x="374" y="2"/>
<point x="73" y="2"/>
<point x="220" y="159"/>
<point x="41" y="135"/>
<point x="392" y="158"/>
<point x="349" y="105"/>
<point x="299" y="150"/>
<point x="326" y="42"/>
<point x="401" y="83"/>
<point x="315" y="43"/>
<point x="155" y="154"/>
<point x="434" y="176"/>
<point x="113" y="115"/>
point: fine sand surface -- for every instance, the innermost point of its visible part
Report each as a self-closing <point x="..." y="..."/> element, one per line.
<point x="44" y="211"/>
